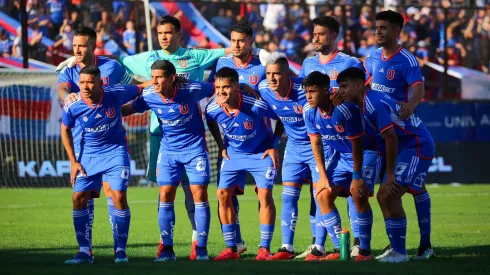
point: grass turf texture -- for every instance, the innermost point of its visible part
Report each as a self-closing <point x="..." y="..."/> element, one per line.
<point x="37" y="235"/>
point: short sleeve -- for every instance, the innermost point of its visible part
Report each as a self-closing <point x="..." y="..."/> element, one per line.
<point x="368" y="65"/>
<point x="213" y="72"/>
<point x="65" y="78"/>
<point x="127" y="93"/>
<point x="413" y="74"/>
<point x="210" y="115"/>
<point x="140" y="105"/>
<point x="309" y="117"/>
<point x="200" y="91"/>
<point x="67" y="118"/>
<point x="136" y="64"/>
<point x="206" y="58"/>
<point x="352" y="120"/>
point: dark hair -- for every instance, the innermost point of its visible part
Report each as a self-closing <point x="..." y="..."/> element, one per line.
<point x="243" y="29"/>
<point x="316" y="79"/>
<point x="329" y="22"/>
<point x="165" y="65"/>
<point x="391" y="16"/>
<point x="86" y="31"/>
<point x="351" y="73"/>
<point x="167" y="19"/>
<point x="93" y="70"/>
<point x="227" y="73"/>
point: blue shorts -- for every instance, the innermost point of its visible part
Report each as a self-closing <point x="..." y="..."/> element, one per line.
<point x="232" y="171"/>
<point x="341" y="166"/>
<point x="299" y="164"/>
<point x="104" y="177"/>
<point x="170" y="166"/>
<point x="115" y="168"/>
<point x="411" y="170"/>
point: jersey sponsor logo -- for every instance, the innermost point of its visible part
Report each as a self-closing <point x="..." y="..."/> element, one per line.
<point x="290" y="119"/>
<point x="184" y="75"/>
<point x="111" y="112"/>
<point x="177" y="122"/>
<point x="248" y="125"/>
<point x="333" y="74"/>
<point x="243" y="137"/>
<point x="339" y="128"/>
<point x="183" y="63"/>
<point x="298" y="109"/>
<point x="184" y="109"/>
<point x="253" y="79"/>
<point x="105" y="81"/>
<point x="102" y="128"/>
<point x="382" y="88"/>
<point x="390" y="74"/>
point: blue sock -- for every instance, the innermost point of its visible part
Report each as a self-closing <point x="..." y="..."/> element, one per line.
<point x="365" y="222"/>
<point x="399" y="233"/>
<point x="331" y="221"/>
<point x="236" y="206"/>
<point x="353" y="217"/>
<point x="203" y="219"/>
<point x="423" y="208"/>
<point x="112" y="220"/>
<point x="289" y="214"/>
<point x="122" y="220"/>
<point x="81" y="222"/>
<point x="166" y="222"/>
<point x="320" y="232"/>
<point x="91" y="215"/>
<point x="266" y="232"/>
<point x="388" y="231"/>
<point x="229" y="233"/>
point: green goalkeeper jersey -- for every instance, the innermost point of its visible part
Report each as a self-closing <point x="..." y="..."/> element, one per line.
<point x="189" y="63"/>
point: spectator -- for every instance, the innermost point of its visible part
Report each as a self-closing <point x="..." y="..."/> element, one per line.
<point x="221" y="22"/>
<point x="56" y="10"/>
<point x="75" y="20"/>
<point x="422" y="53"/>
<point x="274" y="13"/>
<point x="17" y="47"/>
<point x="66" y="34"/>
<point x="105" y="24"/>
<point x="5" y="44"/>
<point x="129" y="38"/>
<point x="290" y="45"/>
<point x="272" y="47"/>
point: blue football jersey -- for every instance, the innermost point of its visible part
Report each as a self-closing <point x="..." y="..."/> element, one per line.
<point x="337" y="63"/>
<point x="288" y="109"/>
<point x="251" y="73"/>
<point x="394" y="75"/>
<point x="341" y="124"/>
<point x="101" y="123"/>
<point x="382" y="113"/>
<point x="111" y="73"/>
<point x="179" y="117"/>
<point x="248" y="129"/>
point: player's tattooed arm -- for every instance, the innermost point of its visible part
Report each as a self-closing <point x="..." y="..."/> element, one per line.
<point x="214" y="129"/>
<point x="391" y="141"/>
<point x="63" y="91"/>
<point x="67" y="139"/>
<point x="317" y="148"/>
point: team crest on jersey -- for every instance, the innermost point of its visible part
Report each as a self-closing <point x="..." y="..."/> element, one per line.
<point x="390" y="74"/>
<point x="184" y="109"/>
<point x="253" y="79"/>
<point x="105" y="81"/>
<point x="183" y="63"/>
<point x="248" y="125"/>
<point x="298" y="109"/>
<point x="339" y="128"/>
<point x="111" y="112"/>
<point x="333" y="74"/>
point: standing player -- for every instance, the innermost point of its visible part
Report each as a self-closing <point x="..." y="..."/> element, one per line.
<point x="249" y="148"/>
<point x="409" y="151"/>
<point x="182" y="146"/>
<point x="331" y="62"/>
<point x="286" y="98"/>
<point x="103" y="152"/>
<point x="396" y="72"/>
<point x="350" y="172"/>
<point x="111" y="73"/>
<point x="251" y="72"/>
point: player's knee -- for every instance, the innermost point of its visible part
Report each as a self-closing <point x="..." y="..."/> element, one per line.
<point x="224" y="196"/>
<point x="166" y="195"/>
<point x="382" y="197"/>
<point x="323" y="196"/>
<point x="80" y="200"/>
<point x="199" y="193"/>
<point x="265" y="197"/>
<point x="107" y="189"/>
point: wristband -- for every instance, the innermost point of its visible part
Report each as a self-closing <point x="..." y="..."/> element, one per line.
<point x="275" y="141"/>
<point x="357" y="175"/>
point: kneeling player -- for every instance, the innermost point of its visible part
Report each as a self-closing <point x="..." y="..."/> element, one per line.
<point x="333" y="126"/>
<point x="182" y="146"/>
<point x="409" y="151"/>
<point x="103" y="153"/>
<point x="249" y="148"/>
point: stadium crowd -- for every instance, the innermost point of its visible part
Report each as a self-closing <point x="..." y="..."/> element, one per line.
<point x="278" y="27"/>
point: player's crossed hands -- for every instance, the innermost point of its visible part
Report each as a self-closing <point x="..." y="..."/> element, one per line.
<point x="76" y="168"/>
<point x="406" y="110"/>
<point x="360" y="188"/>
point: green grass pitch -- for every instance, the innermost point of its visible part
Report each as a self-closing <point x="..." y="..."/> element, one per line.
<point x="36" y="235"/>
